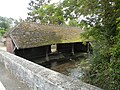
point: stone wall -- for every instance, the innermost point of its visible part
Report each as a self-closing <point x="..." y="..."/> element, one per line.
<point x="39" y="77"/>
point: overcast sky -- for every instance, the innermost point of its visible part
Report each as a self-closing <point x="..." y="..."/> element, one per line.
<point x="15" y="8"/>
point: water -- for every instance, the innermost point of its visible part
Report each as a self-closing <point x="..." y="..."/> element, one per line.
<point x="76" y="67"/>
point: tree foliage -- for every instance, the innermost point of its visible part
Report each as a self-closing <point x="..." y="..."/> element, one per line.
<point x="55" y="13"/>
<point x="5" y="23"/>
<point x="44" y="12"/>
<point x="71" y="9"/>
<point x="103" y="19"/>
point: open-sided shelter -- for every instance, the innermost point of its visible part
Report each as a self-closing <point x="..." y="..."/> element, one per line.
<point x="32" y="40"/>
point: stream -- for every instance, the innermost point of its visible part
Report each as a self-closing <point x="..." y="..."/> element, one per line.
<point x="73" y="67"/>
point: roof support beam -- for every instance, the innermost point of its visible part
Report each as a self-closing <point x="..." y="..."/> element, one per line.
<point x="73" y="53"/>
<point x="47" y="57"/>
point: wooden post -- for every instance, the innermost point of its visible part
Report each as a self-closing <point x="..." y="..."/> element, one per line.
<point x="88" y="49"/>
<point x="47" y="57"/>
<point x="73" y="53"/>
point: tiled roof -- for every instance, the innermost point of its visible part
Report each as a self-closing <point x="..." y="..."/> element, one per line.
<point x="27" y="35"/>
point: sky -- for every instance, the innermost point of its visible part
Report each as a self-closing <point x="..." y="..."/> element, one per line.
<point x="15" y="8"/>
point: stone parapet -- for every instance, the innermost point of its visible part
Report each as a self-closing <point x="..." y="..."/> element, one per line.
<point x="39" y="77"/>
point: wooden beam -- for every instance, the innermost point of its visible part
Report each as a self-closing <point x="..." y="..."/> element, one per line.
<point x="88" y="49"/>
<point x="73" y="53"/>
<point x="47" y="57"/>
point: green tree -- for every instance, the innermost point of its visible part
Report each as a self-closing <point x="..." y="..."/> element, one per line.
<point x="71" y="9"/>
<point x="34" y="5"/>
<point x="56" y="13"/>
<point x="103" y="20"/>
<point x="5" y="23"/>
<point x="45" y="12"/>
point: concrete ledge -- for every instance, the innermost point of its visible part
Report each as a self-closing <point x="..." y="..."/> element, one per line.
<point x="39" y="77"/>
